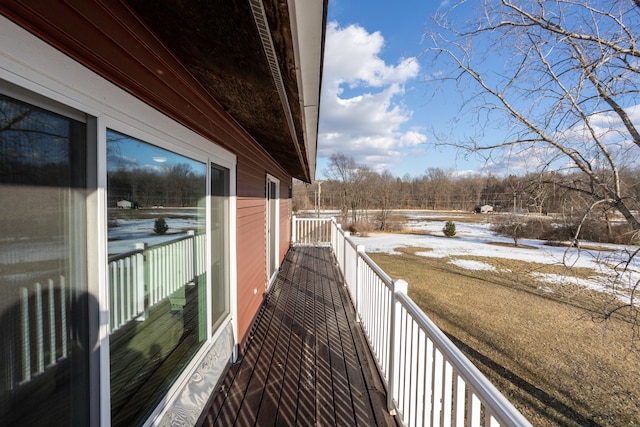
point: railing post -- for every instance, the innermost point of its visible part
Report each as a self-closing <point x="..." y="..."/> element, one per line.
<point x="334" y="236"/>
<point x="359" y="280"/>
<point x="191" y="259"/>
<point x="338" y="242"/>
<point x="394" y="340"/>
<point x="142" y="303"/>
<point x="294" y="226"/>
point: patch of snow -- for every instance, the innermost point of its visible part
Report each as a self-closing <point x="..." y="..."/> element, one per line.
<point x="599" y="284"/>
<point x="127" y="232"/>
<point x="469" y="264"/>
<point x="475" y="239"/>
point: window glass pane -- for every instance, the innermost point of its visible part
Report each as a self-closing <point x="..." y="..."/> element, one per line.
<point x="157" y="263"/>
<point x="43" y="285"/>
<point x="219" y="244"/>
<point x="272" y="237"/>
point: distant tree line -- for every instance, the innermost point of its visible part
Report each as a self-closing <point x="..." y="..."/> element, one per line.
<point x="176" y="186"/>
<point x="356" y="191"/>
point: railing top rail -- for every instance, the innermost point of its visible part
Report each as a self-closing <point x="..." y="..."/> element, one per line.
<point x="351" y="243"/>
<point x="376" y="269"/>
<point x="122" y="255"/>
<point x="500" y="407"/>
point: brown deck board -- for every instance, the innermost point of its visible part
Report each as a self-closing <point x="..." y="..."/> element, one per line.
<point x="307" y="362"/>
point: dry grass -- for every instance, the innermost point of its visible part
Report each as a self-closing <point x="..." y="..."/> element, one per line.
<point x="537" y="344"/>
<point x="585" y="246"/>
<point x="512" y="245"/>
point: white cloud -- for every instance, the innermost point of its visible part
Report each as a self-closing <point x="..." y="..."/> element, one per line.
<point x="362" y="114"/>
<point x="413" y="138"/>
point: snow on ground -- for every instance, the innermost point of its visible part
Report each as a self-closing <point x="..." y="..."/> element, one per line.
<point x="469" y="264"/>
<point x="128" y="232"/>
<point x="475" y="239"/>
<point x="599" y="284"/>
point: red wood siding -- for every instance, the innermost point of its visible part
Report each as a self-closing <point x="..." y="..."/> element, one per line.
<point x="252" y="235"/>
<point x="116" y="45"/>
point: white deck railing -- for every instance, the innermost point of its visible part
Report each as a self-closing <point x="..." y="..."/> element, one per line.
<point x="429" y="381"/>
<point x="137" y="281"/>
<point x="140" y="279"/>
<point x="312" y="231"/>
<point x="42" y="335"/>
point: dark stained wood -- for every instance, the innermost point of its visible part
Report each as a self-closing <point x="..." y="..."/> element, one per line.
<point x="307" y="362"/>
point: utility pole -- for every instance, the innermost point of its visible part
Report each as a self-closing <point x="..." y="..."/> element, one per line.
<point x="318" y="198"/>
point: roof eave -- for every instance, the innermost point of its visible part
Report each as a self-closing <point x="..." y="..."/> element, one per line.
<point x="308" y="24"/>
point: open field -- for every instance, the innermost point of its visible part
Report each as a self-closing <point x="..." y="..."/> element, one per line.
<point x="542" y="342"/>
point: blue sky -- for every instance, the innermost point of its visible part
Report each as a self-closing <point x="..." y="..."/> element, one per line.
<point x="383" y="104"/>
<point x="376" y="105"/>
<point x="130" y="154"/>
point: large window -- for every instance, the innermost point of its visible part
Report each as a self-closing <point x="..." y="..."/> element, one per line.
<point x="116" y="246"/>
<point x="44" y="350"/>
<point x="157" y="271"/>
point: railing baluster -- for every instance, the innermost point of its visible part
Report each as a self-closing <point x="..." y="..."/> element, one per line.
<point x="459" y="399"/>
<point x="447" y="394"/>
<point x="489" y="420"/>
<point x="63" y="316"/>
<point x="474" y="408"/>
<point x="438" y="372"/>
<point x="153" y="278"/>
<point x="421" y="415"/>
<point x="163" y="272"/>
<point x="128" y="289"/>
<point x="412" y="389"/>
<point x="428" y="380"/>
<point x="26" y="345"/>
<point x="39" y="330"/>
<point x="113" y="274"/>
<point x="141" y="287"/>
<point x="121" y="292"/>
<point x="360" y="282"/>
<point x="404" y="355"/>
<point x="52" y="324"/>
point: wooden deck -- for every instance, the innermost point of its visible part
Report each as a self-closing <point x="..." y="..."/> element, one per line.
<point x="307" y="362"/>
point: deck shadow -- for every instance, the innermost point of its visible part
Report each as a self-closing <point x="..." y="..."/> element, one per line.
<point x="307" y="362"/>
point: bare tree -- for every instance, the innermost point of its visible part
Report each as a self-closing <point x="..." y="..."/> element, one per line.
<point x="352" y="179"/>
<point x="385" y="192"/>
<point x="564" y="76"/>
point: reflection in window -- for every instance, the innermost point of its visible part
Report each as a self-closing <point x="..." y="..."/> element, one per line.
<point x="157" y="280"/>
<point x="43" y="285"/>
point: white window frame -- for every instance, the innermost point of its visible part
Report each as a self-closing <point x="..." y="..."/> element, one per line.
<point x="33" y="65"/>
<point x="276" y="233"/>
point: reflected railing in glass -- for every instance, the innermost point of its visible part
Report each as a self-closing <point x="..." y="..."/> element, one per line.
<point x="157" y="271"/>
<point x="44" y="300"/>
